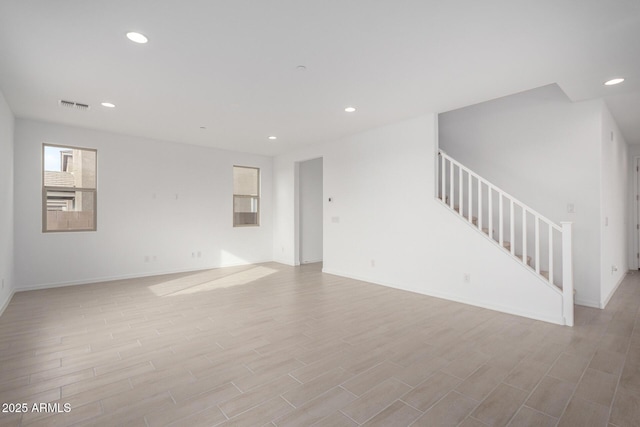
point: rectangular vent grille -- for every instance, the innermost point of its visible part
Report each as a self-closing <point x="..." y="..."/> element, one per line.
<point x="75" y="105"/>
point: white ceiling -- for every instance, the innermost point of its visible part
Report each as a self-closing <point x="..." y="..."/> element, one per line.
<point x="231" y="65"/>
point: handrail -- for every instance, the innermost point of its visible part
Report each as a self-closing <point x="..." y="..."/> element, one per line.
<point x="499" y="190"/>
<point x="543" y="244"/>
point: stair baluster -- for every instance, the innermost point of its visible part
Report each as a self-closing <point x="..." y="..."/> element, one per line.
<point x="481" y="216"/>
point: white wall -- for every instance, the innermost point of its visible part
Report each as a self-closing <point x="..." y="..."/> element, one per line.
<point x="310" y="193"/>
<point x="160" y="200"/>
<point x="6" y="203"/>
<point x="385" y="226"/>
<point x="614" y="208"/>
<point x="546" y="151"/>
<point x="633" y="153"/>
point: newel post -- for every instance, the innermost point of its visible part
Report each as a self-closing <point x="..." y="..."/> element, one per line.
<point x="567" y="273"/>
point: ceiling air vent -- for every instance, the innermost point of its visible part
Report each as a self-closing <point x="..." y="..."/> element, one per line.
<point x="75" y="105"/>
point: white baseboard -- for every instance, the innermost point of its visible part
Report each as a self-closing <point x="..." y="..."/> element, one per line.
<point x="613" y="291"/>
<point x="5" y="304"/>
<point x="559" y="320"/>
<point x="586" y="303"/>
<point x="125" y="276"/>
<point x="284" y="261"/>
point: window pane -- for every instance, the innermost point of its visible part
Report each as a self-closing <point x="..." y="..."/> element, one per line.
<point x="245" y="204"/>
<point x="246" y="196"/>
<point x="245" y="210"/>
<point x="245" y="181"/>
<point x="70" y="210"/>
<point x="69" y="167"/>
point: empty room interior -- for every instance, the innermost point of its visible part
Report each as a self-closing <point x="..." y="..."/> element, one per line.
<point x="329" y="213"/>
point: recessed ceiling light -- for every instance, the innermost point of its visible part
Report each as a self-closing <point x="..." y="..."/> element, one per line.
<point x="613" y="82"/>
<point x="273" y="137"/>
<point x="301" y="68"/>
<point x="203" y="127"/>
<point x="108" y="105"/>
<point x="137" y="37"/>
<point x="350" y="109"/>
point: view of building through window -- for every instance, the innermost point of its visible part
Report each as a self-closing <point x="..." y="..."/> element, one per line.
<point x="69" y="188"/>
<point x="246" y="196"/>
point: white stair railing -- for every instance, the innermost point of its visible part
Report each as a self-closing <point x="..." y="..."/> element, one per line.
<point x="536" y="242"/>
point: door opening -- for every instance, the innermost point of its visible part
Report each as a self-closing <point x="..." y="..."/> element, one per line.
<point x="637" y="213"/>
<point x="310" y="211"/>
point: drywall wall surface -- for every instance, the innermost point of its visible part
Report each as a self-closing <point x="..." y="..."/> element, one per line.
<point x="162" y="207"/>
<point x="545" y="151"/>
<point x="310" y="193"/>
<point x="614" y="207"/>
<point x="384" y="224"/>
<point x="6" y="204"/>
<point x="633" y="240"/>
<point x="380" y="182"/>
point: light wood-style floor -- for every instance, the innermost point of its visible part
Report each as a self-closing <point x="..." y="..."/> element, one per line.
<point x="274" y="345"/>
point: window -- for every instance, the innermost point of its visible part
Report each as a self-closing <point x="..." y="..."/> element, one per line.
<point x="246" y="196"/>
<point x="68" y="188"/>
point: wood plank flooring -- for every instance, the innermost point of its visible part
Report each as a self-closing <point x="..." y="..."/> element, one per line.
<point x="275" y="345"/>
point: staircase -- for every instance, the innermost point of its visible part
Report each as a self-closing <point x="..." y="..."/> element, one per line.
<point x="538" y="244"/>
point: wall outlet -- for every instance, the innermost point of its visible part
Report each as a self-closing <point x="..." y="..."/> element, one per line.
<point x="146" y="258"/>
<point x="467" y="278"/>
<point x="199" y="254"/>
<point x="614" y="269"/>
<point x="373" y="263"/>
<point x="193" y="254"/>
<point x="155" y="258"/>
<point x="571" y="208"/>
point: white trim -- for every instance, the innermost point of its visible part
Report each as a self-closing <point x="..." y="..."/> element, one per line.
<point x="559" y="320"/>
<point x="504" y="250"/>
<point x="565" y="231"/>
<point x="613" y="291"/>
<point x="6" y="303"/>
<point x="501" y="192"/>
<point x="296" y="213"/>
<point x="127" y="276"/>
<point x="586" y="303"/>
<point x="283" y="261"/>
<point x="636" y="210"/>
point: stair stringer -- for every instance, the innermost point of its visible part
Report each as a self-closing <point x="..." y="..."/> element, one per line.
<point x="498" y="280"/>
<point x="516" y="258"/>
<point x="435" y="259"/>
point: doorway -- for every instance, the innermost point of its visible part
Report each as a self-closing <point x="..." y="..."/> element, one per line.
<point x="310" y="211"/>
<point x="636" y="223"/>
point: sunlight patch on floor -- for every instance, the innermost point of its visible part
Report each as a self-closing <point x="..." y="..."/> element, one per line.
<point x="209" y="280"/>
